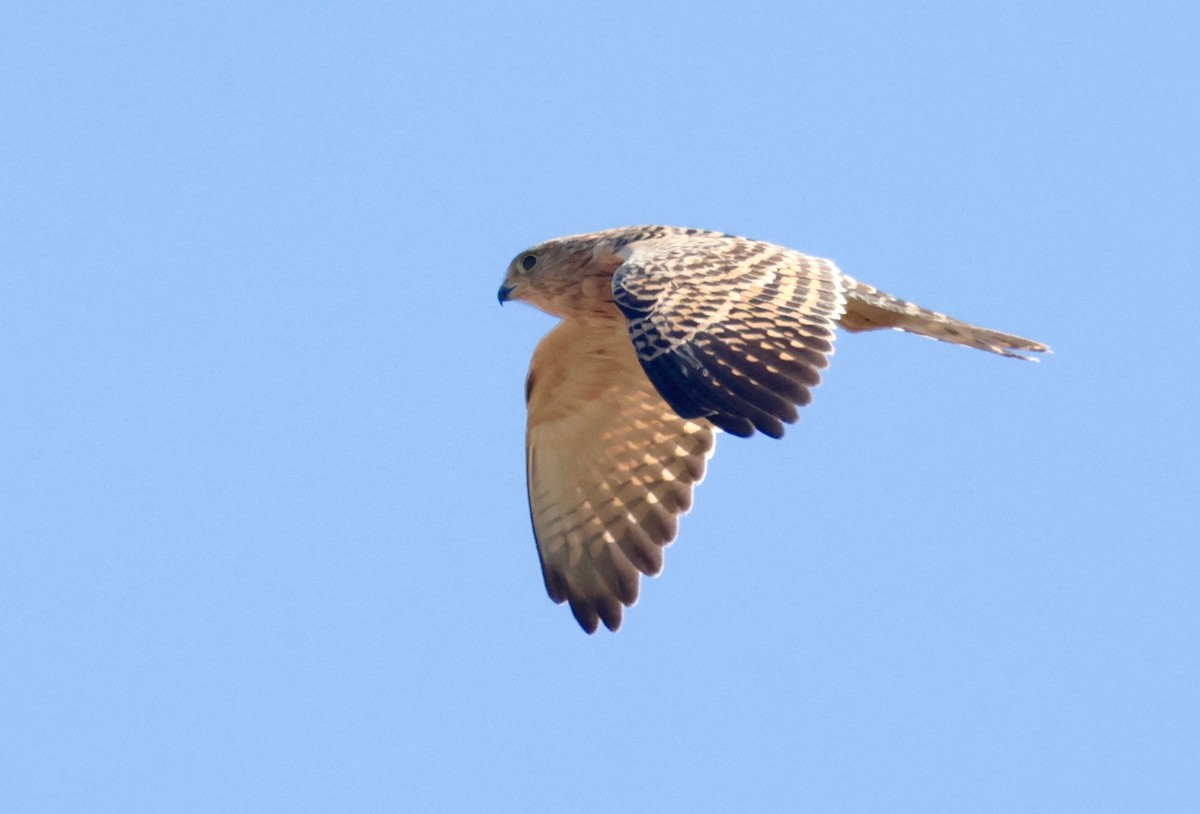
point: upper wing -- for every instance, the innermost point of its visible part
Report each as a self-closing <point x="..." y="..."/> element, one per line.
<point x="730" y="329"/>
<point x="610" y="467"/>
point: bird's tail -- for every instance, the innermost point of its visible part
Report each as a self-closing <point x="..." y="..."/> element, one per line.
<point x="869" y="309"/>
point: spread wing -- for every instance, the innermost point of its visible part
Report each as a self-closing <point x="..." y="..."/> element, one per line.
<point x="729" y="329"/>
<point x="610" y="468"/>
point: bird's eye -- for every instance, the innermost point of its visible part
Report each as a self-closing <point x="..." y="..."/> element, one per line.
<point x="528" y="262"/>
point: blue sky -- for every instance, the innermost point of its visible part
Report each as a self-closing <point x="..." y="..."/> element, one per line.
<point x="263" y="535"/>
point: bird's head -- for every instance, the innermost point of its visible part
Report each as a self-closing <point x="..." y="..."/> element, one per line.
<point x="524" y="273"/>
<point x="562" y="275"/>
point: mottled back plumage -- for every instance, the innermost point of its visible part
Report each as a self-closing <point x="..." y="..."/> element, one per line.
<point x="668" y="335"/>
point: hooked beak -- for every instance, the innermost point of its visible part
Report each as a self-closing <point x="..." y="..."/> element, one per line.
<point x="503" y="294"/>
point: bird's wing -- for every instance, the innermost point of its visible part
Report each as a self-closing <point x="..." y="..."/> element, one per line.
<point x="610" y="468"/>
<point x="729" y="329"/>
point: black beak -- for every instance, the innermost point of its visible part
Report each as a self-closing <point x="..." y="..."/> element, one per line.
<point x="502" y="295"/>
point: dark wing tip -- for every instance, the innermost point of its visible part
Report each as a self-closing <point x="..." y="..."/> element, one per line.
<point x="585" y="615"/>
<point x="556" y="584"/>
<point x="590" y="611"/>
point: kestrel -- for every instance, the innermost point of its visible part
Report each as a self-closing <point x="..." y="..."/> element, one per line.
<point x="667" y="336"/>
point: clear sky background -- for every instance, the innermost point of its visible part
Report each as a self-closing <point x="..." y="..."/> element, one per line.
<point x="265" y="544"/>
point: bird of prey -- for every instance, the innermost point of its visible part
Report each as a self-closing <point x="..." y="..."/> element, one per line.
<point x="667" y="336"/>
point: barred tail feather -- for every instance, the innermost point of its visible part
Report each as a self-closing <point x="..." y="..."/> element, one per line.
<point x="869" y="309"/>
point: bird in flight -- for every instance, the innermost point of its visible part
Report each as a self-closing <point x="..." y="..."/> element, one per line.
<point x="667" y="336"/>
